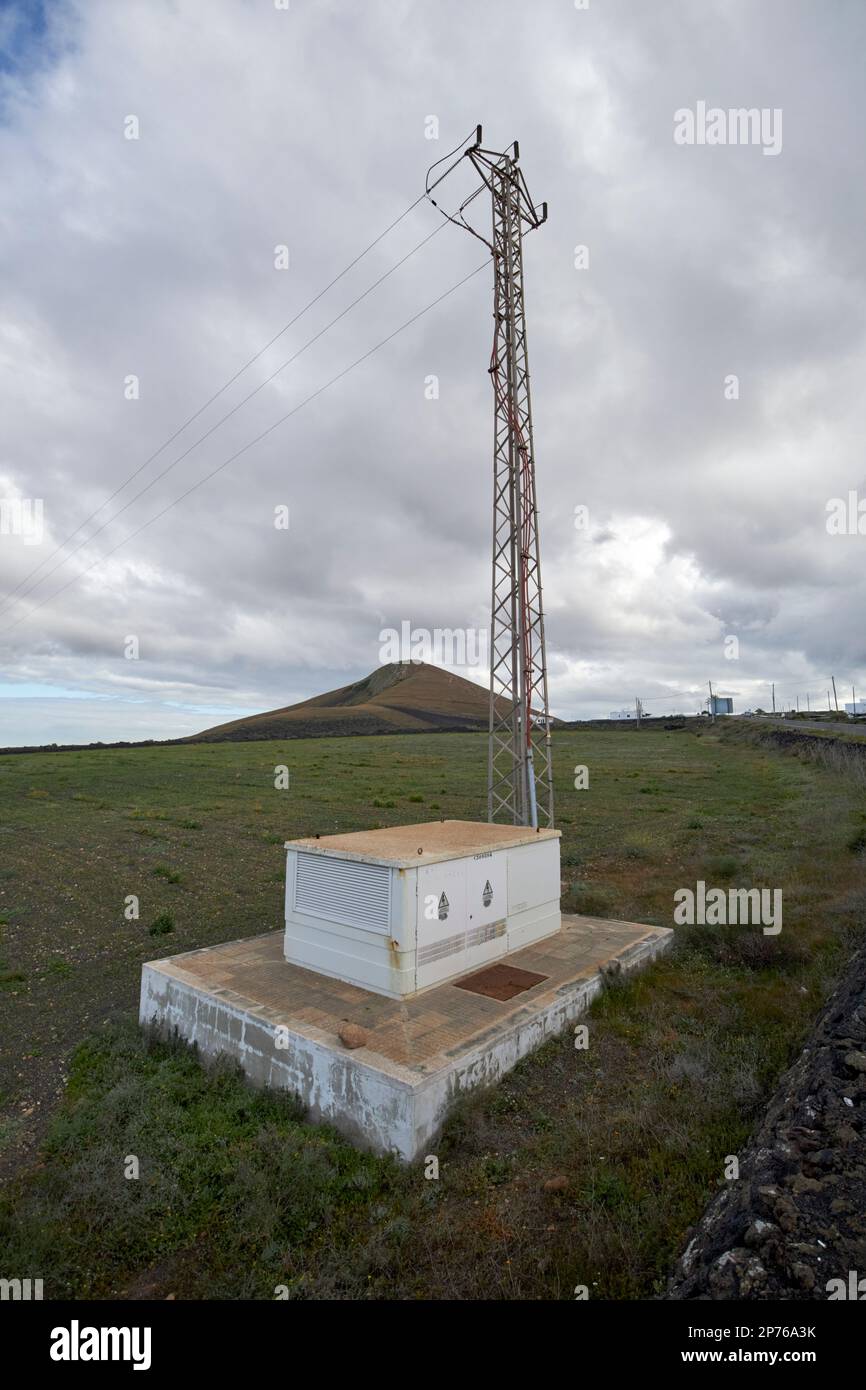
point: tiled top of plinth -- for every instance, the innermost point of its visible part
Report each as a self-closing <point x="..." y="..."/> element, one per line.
<point x="405" y="846"/>
<point x="412" y="1038"/>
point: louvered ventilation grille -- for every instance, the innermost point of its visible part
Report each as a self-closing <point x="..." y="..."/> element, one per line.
<point x="343" y="890"/>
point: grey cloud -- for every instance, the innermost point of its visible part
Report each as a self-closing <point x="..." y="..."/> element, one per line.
<point x="258" y="128"/>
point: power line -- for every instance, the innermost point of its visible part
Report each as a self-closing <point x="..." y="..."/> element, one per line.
<point x="209" y="402"/>
<point x="259" y="437"/>
<point x="222" y="420"/>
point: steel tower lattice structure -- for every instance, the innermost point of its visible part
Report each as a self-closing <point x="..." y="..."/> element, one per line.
<point x="519" y="772"/>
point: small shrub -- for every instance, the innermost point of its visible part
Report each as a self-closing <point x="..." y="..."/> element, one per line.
<point x="607" y="1189"/>
<point x="721" y="866"/>
<point x="497" y="1169"/>
<point x="161" y="925"/>
<point x="744" y="948"/>
<point x="170" y="875"/>
<point x="587" y="902"/>
<point x="503" y="1102"/>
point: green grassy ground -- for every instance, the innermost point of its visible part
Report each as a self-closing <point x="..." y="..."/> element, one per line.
<point x="238" y="1196"/>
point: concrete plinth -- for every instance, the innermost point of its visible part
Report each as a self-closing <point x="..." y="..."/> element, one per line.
<point x="281" y="1022"/>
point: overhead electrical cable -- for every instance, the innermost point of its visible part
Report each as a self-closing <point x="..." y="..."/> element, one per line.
<point x="258" y="438"/>
<point x="11" y="600"/>
<point x="225" y="386"/>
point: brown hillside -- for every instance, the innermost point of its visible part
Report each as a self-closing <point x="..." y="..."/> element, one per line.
<point x="403" y="697"/>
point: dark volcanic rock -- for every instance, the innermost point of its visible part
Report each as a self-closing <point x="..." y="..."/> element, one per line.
<point x="796" y="1217"/>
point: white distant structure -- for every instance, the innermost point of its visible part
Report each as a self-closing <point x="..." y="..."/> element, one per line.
<point x="622" y="714"/>
<point x="855" y="707"/>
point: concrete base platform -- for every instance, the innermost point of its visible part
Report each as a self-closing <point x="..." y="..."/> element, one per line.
<point x="391" y="1095"/>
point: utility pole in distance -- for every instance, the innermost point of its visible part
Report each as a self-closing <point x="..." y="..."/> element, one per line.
<point x="835" y="696"/>
<point x="712" y="704"/>
<point x="774" y="697"/>
<point x="637" y="709"/>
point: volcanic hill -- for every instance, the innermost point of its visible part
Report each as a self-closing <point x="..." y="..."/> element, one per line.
<point x="402" y="697"/>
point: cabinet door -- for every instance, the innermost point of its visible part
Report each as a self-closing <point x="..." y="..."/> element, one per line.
<point x="486" y="889"/>
<point x="441" y="921"/>
<point x="487" y="902"/>
<point x="461" y="917"/>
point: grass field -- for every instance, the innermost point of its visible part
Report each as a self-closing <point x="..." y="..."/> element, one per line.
<point x="237" y="1195"/>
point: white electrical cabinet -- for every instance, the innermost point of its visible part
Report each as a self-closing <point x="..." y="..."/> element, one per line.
<point x="402" y="909"/>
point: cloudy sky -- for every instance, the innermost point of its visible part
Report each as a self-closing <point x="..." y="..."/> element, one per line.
<point x="308" y="128"/>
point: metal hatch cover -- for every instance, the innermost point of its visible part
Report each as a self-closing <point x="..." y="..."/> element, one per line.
<point x="500" y="981"/>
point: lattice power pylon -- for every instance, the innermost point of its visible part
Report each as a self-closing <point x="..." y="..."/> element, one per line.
<point x="520" y="773"/>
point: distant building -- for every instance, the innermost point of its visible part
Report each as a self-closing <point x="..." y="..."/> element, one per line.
<point x="721" y="704"/>
<point x="856" y="707"/>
